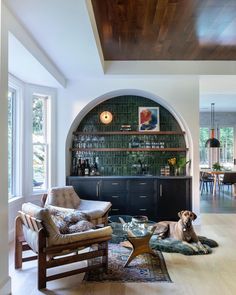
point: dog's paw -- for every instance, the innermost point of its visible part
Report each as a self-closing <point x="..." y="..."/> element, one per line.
<point x="204" y="250"/>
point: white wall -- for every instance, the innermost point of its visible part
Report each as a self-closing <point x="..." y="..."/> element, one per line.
<point x="5" y="282"/>
<point x="180" y="93"/>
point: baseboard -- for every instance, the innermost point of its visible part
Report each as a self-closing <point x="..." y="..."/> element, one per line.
<point x="5" y="287"/>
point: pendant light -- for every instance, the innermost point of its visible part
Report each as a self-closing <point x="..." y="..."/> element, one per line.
<point x="212" y="142"/>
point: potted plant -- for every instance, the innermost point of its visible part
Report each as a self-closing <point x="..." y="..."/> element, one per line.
<point x="181" y="164"/>
<point x="216" y="166"/>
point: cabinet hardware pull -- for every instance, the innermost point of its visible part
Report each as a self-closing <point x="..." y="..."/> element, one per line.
<point x="142" y="183"/>
<point x="115" y="197"/>
<point x="160" y="190"/>
<point x="115" y="183"/>
<point x="115" y="209"/>
<point x="143" y="196"/>
<point x="143" y="209"/>
<point x="97" y="190"/>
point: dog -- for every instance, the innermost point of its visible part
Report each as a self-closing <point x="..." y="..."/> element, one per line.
<point x="181" y="230"/>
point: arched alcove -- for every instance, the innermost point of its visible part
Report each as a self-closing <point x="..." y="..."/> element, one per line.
<point x="88" y="121"/>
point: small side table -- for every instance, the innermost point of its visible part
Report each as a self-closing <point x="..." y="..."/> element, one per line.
<point x="139" y="238"/>
<point x="140" y="245"/>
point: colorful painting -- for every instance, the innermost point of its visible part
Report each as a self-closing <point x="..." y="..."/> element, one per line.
<point x="149" y="119"/>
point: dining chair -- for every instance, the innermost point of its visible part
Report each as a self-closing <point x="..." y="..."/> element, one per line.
<point x="206" y="182"/>
<point x="229" y="179"/>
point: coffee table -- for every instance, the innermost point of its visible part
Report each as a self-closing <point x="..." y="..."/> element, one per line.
<point x="138" y="235"/>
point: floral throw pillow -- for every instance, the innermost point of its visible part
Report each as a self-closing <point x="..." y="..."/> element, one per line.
<point x="70" y="222"/>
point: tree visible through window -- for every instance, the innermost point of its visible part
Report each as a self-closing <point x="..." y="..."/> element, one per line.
<point x="40" y="167"/>
<point x="227" y="146"/>
<point x="204" y="136"/>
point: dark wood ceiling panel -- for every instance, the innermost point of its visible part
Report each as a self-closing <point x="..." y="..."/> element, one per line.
<point x="166" y="29"/>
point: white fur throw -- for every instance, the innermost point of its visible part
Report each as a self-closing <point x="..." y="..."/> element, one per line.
<point x="70" y="222"/>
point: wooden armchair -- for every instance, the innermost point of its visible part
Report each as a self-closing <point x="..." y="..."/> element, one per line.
<point x="36" y="231"/>
<point x="66" y="198"/>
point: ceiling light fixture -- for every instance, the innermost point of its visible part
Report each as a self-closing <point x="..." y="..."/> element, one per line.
<point x="212" y="142"/>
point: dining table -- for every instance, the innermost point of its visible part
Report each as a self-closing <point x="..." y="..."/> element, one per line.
<point x="216" y="178"/>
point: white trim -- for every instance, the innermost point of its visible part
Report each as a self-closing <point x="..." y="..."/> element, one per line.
<point x="18" y="86"/>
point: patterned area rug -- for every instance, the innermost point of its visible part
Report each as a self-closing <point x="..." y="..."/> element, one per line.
<point x="144" y="268"/>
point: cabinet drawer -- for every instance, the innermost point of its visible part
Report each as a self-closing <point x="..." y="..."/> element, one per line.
<point x="115" y="199"/>
<point x="113" y="185"/>
<point x="141" y="185"/>
<point x="117" y="211"/>
<point x="142" y="199"/>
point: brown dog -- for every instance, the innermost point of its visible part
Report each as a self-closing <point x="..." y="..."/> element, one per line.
<point x="181" y="230"/>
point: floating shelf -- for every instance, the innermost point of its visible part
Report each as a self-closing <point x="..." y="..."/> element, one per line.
<point x="129" y="149"/>
<point x="131" y="133"/>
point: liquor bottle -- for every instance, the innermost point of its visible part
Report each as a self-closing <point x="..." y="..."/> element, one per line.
<point x="82" y="168"/>
<point x="79" y="171"/>
<point x="86" y="168"/>
<point x="94" y="167"/>
<point x="74" y="166"/>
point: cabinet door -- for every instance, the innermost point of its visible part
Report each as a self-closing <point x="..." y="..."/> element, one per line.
<point x="174" y="195"/>
<point x="142" y="197"/>
<point x="86" y="188"/>
<point x="115" y="191"/>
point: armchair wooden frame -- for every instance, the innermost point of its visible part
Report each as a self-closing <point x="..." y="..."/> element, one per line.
<point x="47" y="254"/>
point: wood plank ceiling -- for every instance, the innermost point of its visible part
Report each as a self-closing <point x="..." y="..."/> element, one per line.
<point x="166" y="29"/>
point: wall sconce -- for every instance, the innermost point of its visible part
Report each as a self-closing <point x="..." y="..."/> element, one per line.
<point x="106" y="117"/>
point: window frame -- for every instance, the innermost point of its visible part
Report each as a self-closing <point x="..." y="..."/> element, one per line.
<point x="17" y="87"/>
<point x="50" y="93"/>
<point x="45" y="143"/>
<point x="233" y="127"/>
<point x="12" y="192"/>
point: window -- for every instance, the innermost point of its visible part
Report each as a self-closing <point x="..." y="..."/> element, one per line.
<point x="227" y="146"/>
<point x="40" y="142"/>
<point x="11" y="142"/>
<point x="204" y="157"/>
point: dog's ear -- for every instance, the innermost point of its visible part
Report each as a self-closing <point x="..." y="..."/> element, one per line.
<point x="180" y="213"/>
<point x="194" y="216"/>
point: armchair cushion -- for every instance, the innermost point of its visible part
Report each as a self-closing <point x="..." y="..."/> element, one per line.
<point x="63" y="197"/>
<point x="67" y="199"/>
<point x="94" y="209"/>
<point x="54" y="236"/>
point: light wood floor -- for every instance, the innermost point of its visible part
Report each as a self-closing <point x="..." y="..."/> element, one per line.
<point x="205" y="274"/>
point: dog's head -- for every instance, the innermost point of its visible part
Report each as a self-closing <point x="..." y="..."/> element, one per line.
<point x="187" y="217"/>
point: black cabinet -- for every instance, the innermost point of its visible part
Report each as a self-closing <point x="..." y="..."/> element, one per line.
<point x="115" y="191"/>
<point x="160" y="198"/>
<point x="142" y="197"/>
<point x="173" y="195"/>
<point x="86" y="187"/>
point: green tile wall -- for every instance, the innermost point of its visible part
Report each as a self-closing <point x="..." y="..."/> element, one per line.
<point x="125" y="111"/>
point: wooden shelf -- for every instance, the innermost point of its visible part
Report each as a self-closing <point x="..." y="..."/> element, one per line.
<point x="130" y="149"/>
<point x="131" y="133"/>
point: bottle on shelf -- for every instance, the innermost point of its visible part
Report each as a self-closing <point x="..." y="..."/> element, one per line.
<point x="74" y="166"/>
<point x="80" y="170"/>
<point x="86" y="168"/>
<point x="93" y="167"/>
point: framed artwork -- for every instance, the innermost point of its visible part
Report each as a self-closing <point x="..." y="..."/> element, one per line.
<point x="149" y="119"/>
